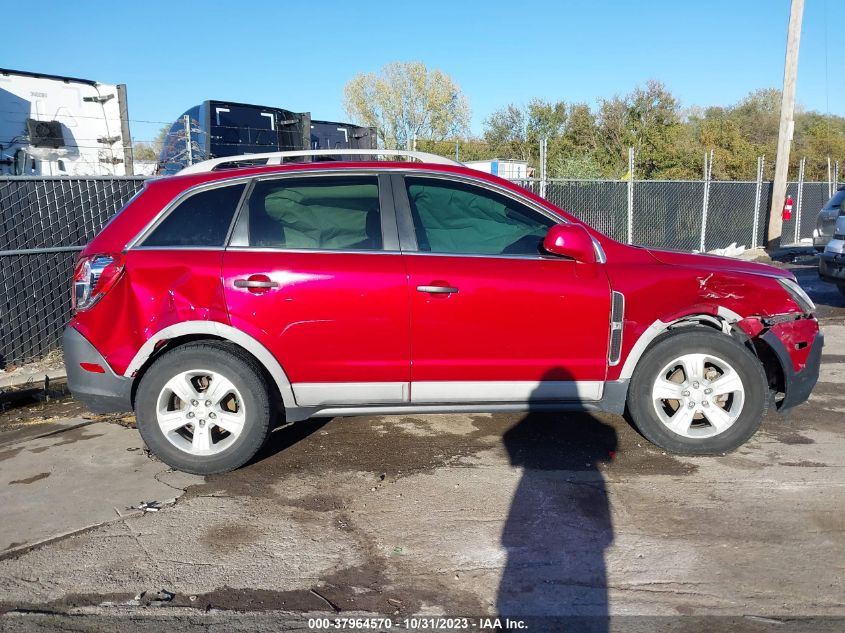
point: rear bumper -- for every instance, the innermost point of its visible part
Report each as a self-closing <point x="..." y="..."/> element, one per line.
<point x="797" y="384"/>
<point x="104" y="392"/>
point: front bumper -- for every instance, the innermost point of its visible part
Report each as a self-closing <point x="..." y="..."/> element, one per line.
<point x="832" y="267"/>
<point x="820" y="241"/>
<point x="104" y="392"/>
<point x="797" y="384"/>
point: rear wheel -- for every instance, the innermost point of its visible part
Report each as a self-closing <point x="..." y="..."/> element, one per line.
<point x="841" y="289"/>
<point x="204" y="408"/>
<point x="698" y="392"/>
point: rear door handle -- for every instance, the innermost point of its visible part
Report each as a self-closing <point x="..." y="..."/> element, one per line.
<point x="441" y="290"/>
<point x="246" y="283"/>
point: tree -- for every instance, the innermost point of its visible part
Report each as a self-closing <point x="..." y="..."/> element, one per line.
<point x="406" y="101"/>
<point x="669" y="143"/>
<point x="576" y="166"/>
<point x="506" y="133"/>
<point x="579" y="135"/>
<point x="515" y="131"/>
<point x="152" y="150"/>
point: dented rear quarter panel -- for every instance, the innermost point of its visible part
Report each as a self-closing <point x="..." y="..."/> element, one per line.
<point x="157" y="289"/>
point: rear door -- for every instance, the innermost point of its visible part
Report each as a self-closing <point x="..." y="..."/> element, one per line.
<point x="493" y="319"/>
<point x="313" y="271"/>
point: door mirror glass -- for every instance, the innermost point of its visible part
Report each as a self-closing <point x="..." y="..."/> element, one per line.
<point x="570" y="240"/>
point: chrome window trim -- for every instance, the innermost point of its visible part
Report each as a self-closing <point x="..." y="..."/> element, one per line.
<point x="537" y="257"/>
<point x="270" y="249"/>
<point x="179" y="248"/>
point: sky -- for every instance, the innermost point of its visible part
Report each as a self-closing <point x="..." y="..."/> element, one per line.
<point x="298" y="56"/>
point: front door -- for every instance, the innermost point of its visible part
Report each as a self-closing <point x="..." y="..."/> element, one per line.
<point x="314" y="273"/>
<point x="493" y="318"/>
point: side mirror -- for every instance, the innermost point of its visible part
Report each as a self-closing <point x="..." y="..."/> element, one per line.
<point x="570" y="240"/>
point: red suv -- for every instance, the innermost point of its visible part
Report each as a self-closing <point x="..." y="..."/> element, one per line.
<point x="221" y="301"/>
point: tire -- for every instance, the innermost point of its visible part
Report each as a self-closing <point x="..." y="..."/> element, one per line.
<point x="841" y="289"/>
<point x="187" y="433"/>
<point x="728" y="419"/>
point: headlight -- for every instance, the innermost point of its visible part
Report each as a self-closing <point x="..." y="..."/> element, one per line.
<point x="798" y="295"/>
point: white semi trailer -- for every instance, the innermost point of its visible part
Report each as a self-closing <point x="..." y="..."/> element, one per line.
<point x="62" y="126"/>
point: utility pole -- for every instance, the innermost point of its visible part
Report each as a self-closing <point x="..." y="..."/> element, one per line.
<point x="125" y="136"/>
<point x="787" y="125"/>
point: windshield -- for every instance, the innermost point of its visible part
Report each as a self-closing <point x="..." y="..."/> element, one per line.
<point x="836" y="201"/>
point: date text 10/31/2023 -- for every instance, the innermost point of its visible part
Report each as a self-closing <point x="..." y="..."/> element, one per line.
<point x="422" y="623"/>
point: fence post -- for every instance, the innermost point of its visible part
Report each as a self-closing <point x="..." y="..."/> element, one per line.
<point x="835" y="177"/>
<point x="543" y="148"/>
<point x="708" y="168"/>
<point x="188" y="142"/>
<point x="630" y="195"/>
<point x="798" y="200"/>
<point x="758" y="195"/>
<point x="829" y="180"/>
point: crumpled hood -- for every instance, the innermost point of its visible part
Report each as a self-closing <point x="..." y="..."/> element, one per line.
<point x="718" y="263"/>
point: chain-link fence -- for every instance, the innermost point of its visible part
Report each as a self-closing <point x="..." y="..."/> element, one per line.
<point x="672" y="213"/>
<point x="45" y="221"/>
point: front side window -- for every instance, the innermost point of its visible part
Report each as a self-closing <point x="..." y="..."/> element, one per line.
<point x="202" y="220"/>
<point x="459" y="218"/>
<point x="324" y="213"/>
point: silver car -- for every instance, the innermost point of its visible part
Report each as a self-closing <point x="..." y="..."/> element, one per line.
<point x="827" y="219"/>
<point x="832" y="260"/>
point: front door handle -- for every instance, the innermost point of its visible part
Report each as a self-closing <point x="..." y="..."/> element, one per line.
<point x="438" y="290"/>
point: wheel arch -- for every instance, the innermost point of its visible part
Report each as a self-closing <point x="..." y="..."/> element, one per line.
<point x="191" y="331"/>
<point x="722" y="321"/>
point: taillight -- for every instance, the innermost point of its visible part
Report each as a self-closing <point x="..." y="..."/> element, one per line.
<point x="93" y="277"/>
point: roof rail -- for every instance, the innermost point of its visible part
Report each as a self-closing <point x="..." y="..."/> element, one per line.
<point x="277" y="158"/>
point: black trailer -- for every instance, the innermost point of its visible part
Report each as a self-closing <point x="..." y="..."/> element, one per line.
<point x="225" y="128"/>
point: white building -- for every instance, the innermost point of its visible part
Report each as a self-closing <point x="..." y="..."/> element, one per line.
<point x="503" y="167"/>
<point x="61" y="126"/>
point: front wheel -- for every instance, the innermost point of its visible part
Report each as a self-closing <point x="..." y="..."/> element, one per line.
<point x="698" y="392"/>
<point x="203" y="408"/>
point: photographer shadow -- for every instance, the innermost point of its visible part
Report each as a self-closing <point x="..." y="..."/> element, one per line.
<point x="559" y="524"/>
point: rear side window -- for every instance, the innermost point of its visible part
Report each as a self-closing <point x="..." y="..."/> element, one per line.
<point x="323" y="213"/>
<point x="203" y="219"/>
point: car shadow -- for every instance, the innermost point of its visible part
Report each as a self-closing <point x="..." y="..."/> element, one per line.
<point x="559" y="524"/>
<point x="285" y="436"/>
